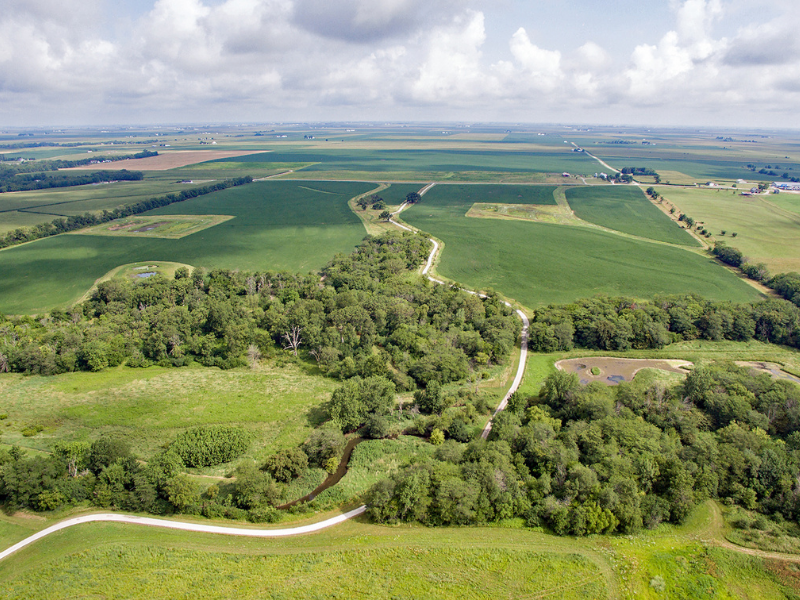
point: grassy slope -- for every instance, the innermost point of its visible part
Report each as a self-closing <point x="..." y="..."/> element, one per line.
<point x="766" y="233"/>
<point x="626" y="209"/>
<point x="280" y="225"/>
<point x="537" y="263"/>
<point x="279" y="404"/>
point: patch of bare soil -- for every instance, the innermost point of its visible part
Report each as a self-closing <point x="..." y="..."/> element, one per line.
<point x="613" y="371"/>
<point x="166" y="160"/>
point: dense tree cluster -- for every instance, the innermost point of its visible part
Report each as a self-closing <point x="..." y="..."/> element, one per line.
<point x="64" y="225"/>
<point x="597" y="459"/>
<point x="368" y="317"/>
<point x="41" y="181"/>
<point x="371" y="201"/>
<point x="608" y="323"/>
<point x="105" y="473"/>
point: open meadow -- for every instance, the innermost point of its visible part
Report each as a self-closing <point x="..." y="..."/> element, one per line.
<point x="540" y="263"/>
<point x="278" y="403"/>
<point x="765" y="232"/>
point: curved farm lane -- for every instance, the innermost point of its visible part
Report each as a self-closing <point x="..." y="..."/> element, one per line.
<point x="183" y="526"/>
<point x="523" y="345"/>
<point x="714" y="535"/>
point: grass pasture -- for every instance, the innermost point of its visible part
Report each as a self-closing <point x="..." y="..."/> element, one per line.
<point x="626" y="209"/>
<point x="539" y="263"/>
<point x="149" y="407"/>
<point x="362" y="564"/>
<point x="766" y="232"/>
<point x="279" y="225"/>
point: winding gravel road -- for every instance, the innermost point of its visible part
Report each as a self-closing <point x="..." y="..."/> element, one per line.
<point x="523" y="346"/>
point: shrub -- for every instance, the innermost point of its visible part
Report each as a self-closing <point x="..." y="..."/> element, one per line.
<point x="437" y="437"/>
<point x="254" y="489"/>
<point x="286" y="465"/>
<point x="31" y="430"/>
<point x="376" y="427"/>
<point x="211" y="445"/>
<point x="323" y="444"/>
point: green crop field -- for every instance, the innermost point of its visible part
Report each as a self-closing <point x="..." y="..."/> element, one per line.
<point x="378" y="160"/>
<point x="29" y="208"/>
<point x="626" y="209"/>
<point x="766" y="232"/>
<point x="149" y="407"/>
<point x="279" y="225"/>
<point x="538" y="263"/>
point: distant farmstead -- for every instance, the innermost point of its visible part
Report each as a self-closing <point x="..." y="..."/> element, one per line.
<point x="790" y="186"/>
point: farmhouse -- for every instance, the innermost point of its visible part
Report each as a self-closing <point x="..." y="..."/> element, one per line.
<point x="790" y="186"/>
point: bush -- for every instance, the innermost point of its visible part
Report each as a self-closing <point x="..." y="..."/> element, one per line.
<point x="211" y="445"/>
<point x="459" y="431"/>
<point x="437" y="437"/>
<point x="376" y="427"/>
<point x="322" y="444"/>
<point x="31" y="430"/>
<point x="264" y="514"/>
<point x="254" y="489"/>
<point x="286" y="465"/>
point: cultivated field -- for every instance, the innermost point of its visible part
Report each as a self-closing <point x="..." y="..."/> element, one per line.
<point x="626" y="209"/>
<point x="278" y="225"/>
<point x="538" y="263"/>
<point x="378" y="160"/>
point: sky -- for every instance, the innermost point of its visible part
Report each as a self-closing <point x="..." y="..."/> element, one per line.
<point x="727" y="63"/>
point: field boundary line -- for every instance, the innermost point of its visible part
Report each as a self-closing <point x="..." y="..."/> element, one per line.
<point x="183" y="526"/>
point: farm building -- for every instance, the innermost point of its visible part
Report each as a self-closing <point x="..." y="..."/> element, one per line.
<point x="787" y="185"/>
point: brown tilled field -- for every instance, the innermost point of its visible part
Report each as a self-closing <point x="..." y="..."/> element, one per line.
<point x="166" y="160"/>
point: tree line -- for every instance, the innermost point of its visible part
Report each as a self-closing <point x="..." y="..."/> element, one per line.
<point x="75" y="222"/>
<point x="786" y="284"/>
<point x="42" y="181"/>
<point x="618" y="323"/>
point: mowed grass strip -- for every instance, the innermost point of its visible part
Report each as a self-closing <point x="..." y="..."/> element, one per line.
<point x="149" y="407"/>
<point x="766" y="232"/>
<point x="537" y="263"/>
<point x="626" y="209"/>
<point x="278" y="225"/>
